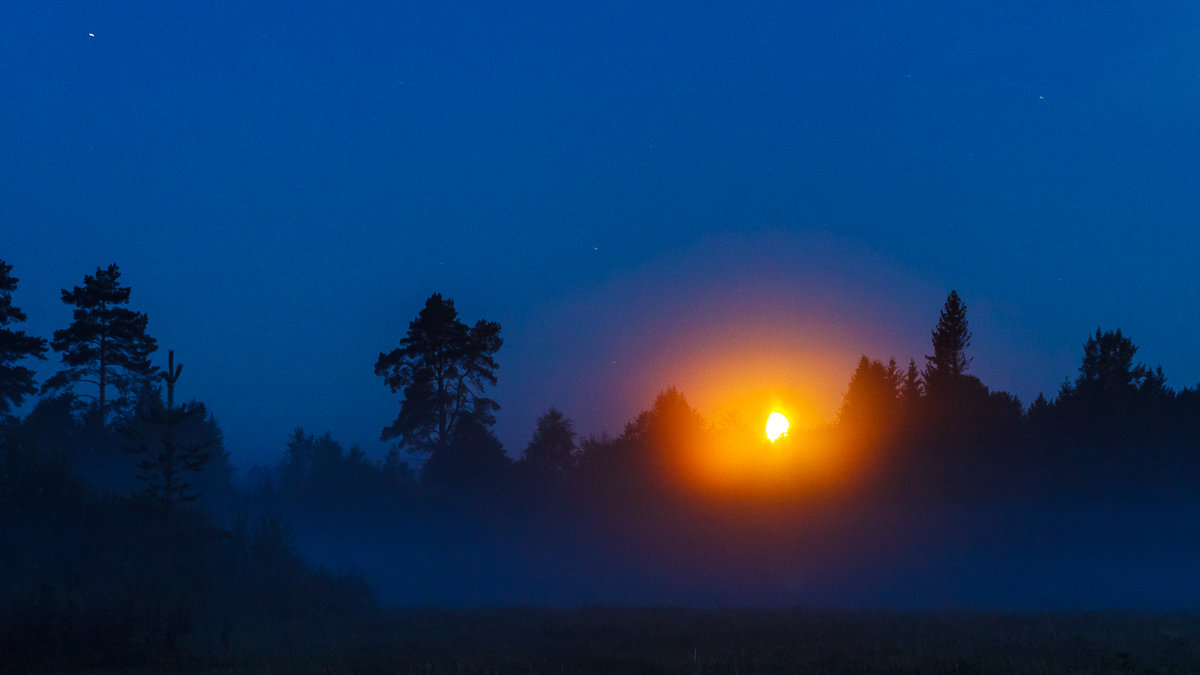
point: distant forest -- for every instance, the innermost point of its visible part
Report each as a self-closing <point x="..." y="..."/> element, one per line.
<point x="127" y="540"/>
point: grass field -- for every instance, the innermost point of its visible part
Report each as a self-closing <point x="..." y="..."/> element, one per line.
<point x="666" y="640"/>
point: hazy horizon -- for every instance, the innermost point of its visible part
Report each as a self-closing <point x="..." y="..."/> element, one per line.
<point x="642" y="196"/>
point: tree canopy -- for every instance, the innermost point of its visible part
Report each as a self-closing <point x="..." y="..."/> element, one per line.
<point x="106" y="344"/>
<point x="871" y="402"/>
<point x="164" y="466"/>
<point x="442" y="368"/>
<point x="1107" y="368"/>
<point x="16" y="381"/>
<point x="948" y="363"/>
<point x="550" y="455"/>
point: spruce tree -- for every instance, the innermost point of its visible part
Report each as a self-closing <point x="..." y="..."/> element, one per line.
<point x="911" y="386"/>
<point x="872" y="397"/>
<point x="106" y="344"/>
<point x="16" y="382"/>
<point x="551" y="453"/>
<point x="948" y="364"/>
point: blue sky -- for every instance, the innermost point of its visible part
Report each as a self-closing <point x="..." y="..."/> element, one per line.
<point x="642" y="194"/>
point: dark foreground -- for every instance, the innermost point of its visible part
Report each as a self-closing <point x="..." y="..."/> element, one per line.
<point x="659" y="640"/>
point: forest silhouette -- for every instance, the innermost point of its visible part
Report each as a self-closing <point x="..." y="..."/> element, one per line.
<point x="128" y="539"/>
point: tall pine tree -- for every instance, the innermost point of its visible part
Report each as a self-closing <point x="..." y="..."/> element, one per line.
<point x="16" y="382"/>
<point x="164" y="468"/>
<point x="948" y="364"/>
<point x="442" y="367"/>
<point x="106" y="344"/>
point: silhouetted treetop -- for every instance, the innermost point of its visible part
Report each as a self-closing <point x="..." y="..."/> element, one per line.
<point x="106" y="343"/>
<point x="951" y="338"/>
<point x="1107" y="367"/>
<point x="671" y="415"/>
<point x="441" y="367"/>
<point x="660" y="438"/>
<point x="1113" y="400"/>
<point x="16" y="382"/>
<point x="550" y="455"/>
<point x="912" y="387"/>
<point x="164" y="465"/>
<point x="871" y="402"/>
<point x="317" y="469"/>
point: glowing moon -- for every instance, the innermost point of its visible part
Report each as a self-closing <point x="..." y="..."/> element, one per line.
<point x="777" y="425"/>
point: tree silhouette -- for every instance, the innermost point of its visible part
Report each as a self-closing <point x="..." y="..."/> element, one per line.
<point x="296" y="466"/>
<point x="106" y="344"/>
<point x="550" y="456"/>
<point x="474" y="462"/>
<point x="1113" y="400"/>
<point x="164" y="469"/>
<point x="1107" y="369"/>
<point x="661" y="441"/>
<point x="442" y="367"/>
<point x="319" y="471"/>
<point x="912" y="388"/>
<point x="872" y="398"/>
<point x="16" y="382"/>
<point x="948" y="364"/>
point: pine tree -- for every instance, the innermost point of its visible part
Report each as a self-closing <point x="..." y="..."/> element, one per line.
<point x="1113" y="401"/>
<point x="442" y="367"/>
<point x="164" y="469"/>
<point x="16" y="382"/>
<point x="911" y="387"/>
<point x="106" y="344"/>
<point x="948" y="364"/>
<point x="872" y="397"/>
<point x="551" y="453"/>
<point x="1107" y="368"/>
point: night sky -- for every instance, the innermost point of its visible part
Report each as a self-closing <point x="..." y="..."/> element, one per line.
<point x="735" y="201"/>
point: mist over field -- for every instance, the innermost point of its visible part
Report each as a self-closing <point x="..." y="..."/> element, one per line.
<point x="620" y="337"/>
<point x="129" y="536"/>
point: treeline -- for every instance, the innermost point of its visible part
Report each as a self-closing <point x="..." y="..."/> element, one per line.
<point x="926" y="431"/>
<point x="122" y="543"/>
<point x="1114" y="429"/>
<point x="129" y="538"/>
<point x="1116" y="417"/>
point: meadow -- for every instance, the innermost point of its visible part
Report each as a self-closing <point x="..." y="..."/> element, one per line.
<point x="673" y="640"/>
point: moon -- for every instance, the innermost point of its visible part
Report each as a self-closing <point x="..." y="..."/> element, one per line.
<point x="777" y="425"/>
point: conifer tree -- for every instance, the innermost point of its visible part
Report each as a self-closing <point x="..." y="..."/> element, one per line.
<point x="873" y="395"/>
<point x="911" y="387"/>
<point x="16" y="382"/>
<point x="948" y="364"/>
<point x="106" y="344"/>
<point x="1108" y="368"/>
<point x="164" y="469"/>
<point x="551" y="453"/>
<point x="442" y="367"/>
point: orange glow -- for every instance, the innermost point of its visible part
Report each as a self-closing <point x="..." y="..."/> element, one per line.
<point x="736" y="395"/>
<point x="736" y="365"/>
<point x="729" y="457"/>
<point x="777" y="425"/>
